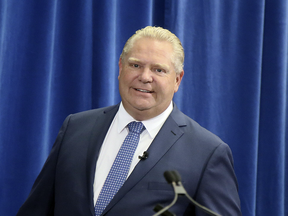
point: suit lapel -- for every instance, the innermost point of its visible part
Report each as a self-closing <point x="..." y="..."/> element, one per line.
<point x="165" y="139"/>
<point x="98" y="133"/>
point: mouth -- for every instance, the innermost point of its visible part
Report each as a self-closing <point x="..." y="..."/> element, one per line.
<point x="143" y="90"/>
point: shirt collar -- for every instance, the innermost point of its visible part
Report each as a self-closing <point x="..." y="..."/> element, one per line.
<point x="152" y="125"/>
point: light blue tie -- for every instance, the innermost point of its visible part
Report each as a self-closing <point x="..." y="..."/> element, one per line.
<point x="120" y="168"/>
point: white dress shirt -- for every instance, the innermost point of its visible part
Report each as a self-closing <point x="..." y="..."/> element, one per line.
<point x="114" y="139"/>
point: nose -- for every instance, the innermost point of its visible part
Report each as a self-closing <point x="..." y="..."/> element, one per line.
<point x="145" y="76"/>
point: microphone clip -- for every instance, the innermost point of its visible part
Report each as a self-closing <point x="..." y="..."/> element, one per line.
<point x="144" y="156"/>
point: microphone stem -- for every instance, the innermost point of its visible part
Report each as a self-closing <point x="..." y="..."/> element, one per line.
<point x="167" y="207"/>
<point x="208" y="211"/>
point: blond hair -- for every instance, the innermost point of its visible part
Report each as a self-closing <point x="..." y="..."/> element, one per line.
<point x="160" y="34"/>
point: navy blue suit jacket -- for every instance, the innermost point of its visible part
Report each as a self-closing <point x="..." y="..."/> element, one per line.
<point x="205" y="163"/>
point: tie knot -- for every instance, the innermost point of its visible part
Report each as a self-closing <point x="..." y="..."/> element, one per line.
<point x="136" y="127"/>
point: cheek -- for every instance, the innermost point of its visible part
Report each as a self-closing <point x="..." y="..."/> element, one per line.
<point x="172" y="85"/>
<point x="165" y="88"/>
<point x="126" y="79"/>
<point x="122" y="77"/>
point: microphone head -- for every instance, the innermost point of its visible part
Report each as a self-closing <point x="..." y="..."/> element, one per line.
<point x="177" y="176"/>
<point x="169" y="176"/>
<point x="172" y="176"/>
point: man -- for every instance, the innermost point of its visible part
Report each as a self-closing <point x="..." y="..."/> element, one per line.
<point x="74" y="178"/>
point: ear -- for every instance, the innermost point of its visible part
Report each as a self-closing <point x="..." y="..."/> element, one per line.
<point x="179" y="77"/>
<point x="120" y="66"/>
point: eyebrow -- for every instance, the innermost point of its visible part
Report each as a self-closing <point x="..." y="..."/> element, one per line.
<point x="132" y="59"/>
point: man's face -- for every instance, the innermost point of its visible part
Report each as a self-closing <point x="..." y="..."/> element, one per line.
<point x="147" y="78"/>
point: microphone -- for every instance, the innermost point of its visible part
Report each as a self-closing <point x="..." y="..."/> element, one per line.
<point x="174" y="178"/>
<point x="144" y="156"/>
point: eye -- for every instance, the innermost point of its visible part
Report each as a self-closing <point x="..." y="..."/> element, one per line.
<point x="134" y="65"/>
<point x="159" y="70"/>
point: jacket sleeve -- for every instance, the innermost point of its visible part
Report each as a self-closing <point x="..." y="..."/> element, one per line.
<point x="41" y="198"/>
<point x="218" y="189"/>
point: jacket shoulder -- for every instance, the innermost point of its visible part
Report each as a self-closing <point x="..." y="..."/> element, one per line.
<point x="88" y="114"/>
<point x="194" y="131"/>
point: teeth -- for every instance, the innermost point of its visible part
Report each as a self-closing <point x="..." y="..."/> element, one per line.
<point x="146" y="91"/>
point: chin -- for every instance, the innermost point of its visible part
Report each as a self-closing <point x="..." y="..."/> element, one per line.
<point x="142" y="108"/>
<point x="142" y="104"/>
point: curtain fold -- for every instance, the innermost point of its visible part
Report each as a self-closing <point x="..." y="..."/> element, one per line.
<point x="59" y="57"/>
<point x="273" y="110"/>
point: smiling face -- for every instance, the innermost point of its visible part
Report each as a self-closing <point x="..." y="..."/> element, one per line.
<point x="147" y="78"/>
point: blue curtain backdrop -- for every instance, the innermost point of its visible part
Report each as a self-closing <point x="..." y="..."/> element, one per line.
<point x="60" y="56"/>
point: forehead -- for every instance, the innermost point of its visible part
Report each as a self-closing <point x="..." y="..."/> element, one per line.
<point x="151" y="49"/>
